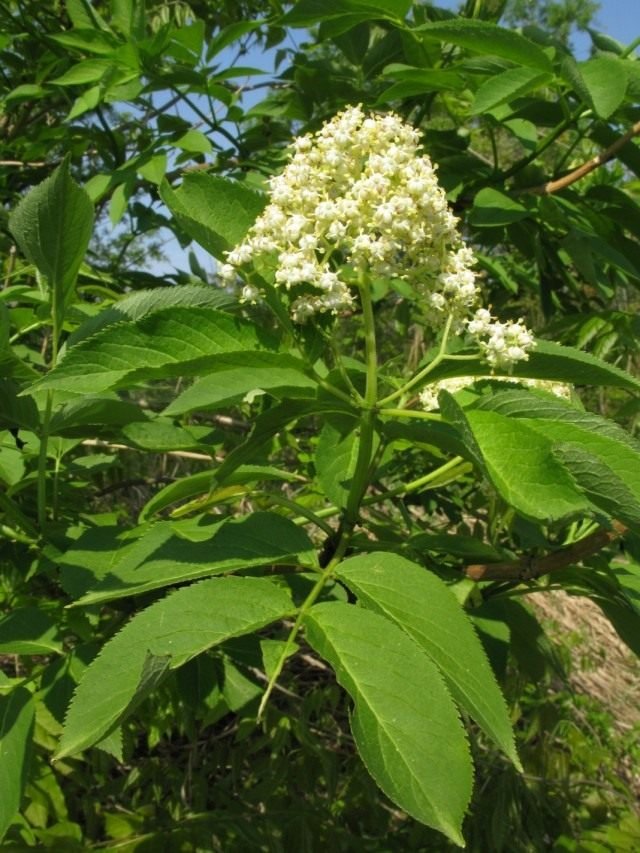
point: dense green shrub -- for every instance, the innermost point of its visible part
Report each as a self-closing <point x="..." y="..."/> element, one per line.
<point x="261" y="523"/>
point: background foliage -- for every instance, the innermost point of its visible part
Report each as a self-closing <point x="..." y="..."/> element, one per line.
<point x="122" y="123"/>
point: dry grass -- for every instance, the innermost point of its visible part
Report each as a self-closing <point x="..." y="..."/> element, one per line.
<point x="603" y="666"/>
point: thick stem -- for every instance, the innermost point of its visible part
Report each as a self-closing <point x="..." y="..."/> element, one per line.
<point x="371" y="351"/>
<point x="530" y="568"/>
<point x="358" y="487"/>
<point x="360" y="479"/>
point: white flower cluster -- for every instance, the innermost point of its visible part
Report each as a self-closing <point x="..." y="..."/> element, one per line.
<point x="429" y="395"/>
<point x="503" y="343"/>
<point x="358" y="197"/>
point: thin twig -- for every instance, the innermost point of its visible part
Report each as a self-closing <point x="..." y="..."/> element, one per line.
<point x="182" y="454"/>
<point x="37" y="164"/>
<point x="529" y="568"/>
<point x="578" y="173"/>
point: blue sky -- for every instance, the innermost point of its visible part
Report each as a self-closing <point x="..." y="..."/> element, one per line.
<point x="617" y="18"/>
<point x="620" y="19"/>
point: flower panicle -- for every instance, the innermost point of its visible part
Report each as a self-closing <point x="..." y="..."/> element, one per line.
<point x="360" y="196"/>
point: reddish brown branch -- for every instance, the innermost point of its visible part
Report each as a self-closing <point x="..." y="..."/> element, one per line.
<point x="529" y="568"/>
<point x="599" y="160"/>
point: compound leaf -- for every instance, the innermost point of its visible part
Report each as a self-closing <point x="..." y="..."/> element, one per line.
<point x="404" y="722"/>
<point x="423" y="606"/>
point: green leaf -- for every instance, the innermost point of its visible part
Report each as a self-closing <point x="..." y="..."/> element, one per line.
<point x="12" y="467"/>
<point x="600" y="484"/>
<point x="549" y="361"/>
<point x="194" y="141"/>
<point x="137" y="305"/>
<point x="492" y="207"/>
<point x="26" y="92"/>
<point x="17" y="713"/>
<point x="423" y="606"/>
<point x="519" y="463"/>
<point x="605" y="80"/>
<point x="308" y="12"/>
<point x="486" y="38"/>
<point x="510" y="84"/>
<point x="160" y="557"/>
<point x="266" y="425"/>
<point x="159" y="435"/>
<point x="102" y="414"/>
<point x="84" y="16"/>
<point x="624" y="619"/>
<point x="605" y="42"/>
<point x="16" y="411"/>
<point x="119" y="201"/>
<point x="335" y="458"/>
<point x="129" y="17"/>
<point x="203" y="486"/>
<point x="425" y="435"/>
<point x="280" y="374"/>
<point x="28" y="631"/>
<point x="87" y="71"/>
<point x="177" y="628"/>
<point x="172" y="342"/>
<point x="227" y="35"/>
<point x="88" y="100"/>
<point x="404" y="723"/>
<point x="615" y="455"/>
<point x="467" y="548"/>
<point x="86" y="40"/>
<point x="419" y="81"/>
<point x="52" y="226"/>
<point x="154" y="169"/>
<point x="215" y="211"/>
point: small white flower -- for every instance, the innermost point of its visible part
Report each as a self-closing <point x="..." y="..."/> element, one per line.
<point x="227" y="272"/>
<point x="250" y="293"/>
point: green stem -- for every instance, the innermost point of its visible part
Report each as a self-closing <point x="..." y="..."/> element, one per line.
<point x="331" y="389"/>
<point x="10" y="533"/>
<point x="359" y="482"/>
<point x="542" y="146"/>
<point x="360" y="479"/>
<point x="46" y="418"/>
<point x="342" y="370"/>
<point x="42" y="463"/>
<point x="361" y="474"/>
<point x="26" y="330"/>
<point x="371" y="352"/>
<point x="309" y="601"/>
<point x="308" y="514"/>
<point x="415" y="380"/>
<point x="432" y="479"/>
<point x="410" y="413"/>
